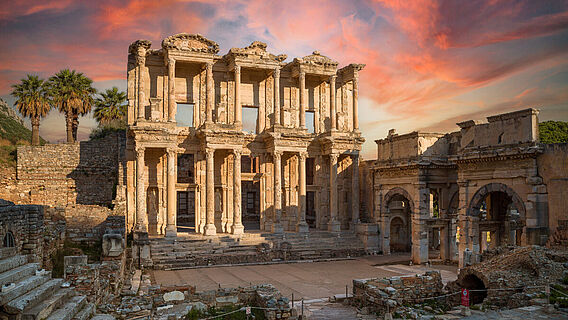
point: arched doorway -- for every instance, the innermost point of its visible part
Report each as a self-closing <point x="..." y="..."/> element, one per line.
<point x="400" y="230"/>
<point x="501" y="214"/>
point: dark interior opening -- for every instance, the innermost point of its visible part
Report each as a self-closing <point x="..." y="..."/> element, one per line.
<point x="476" y="287"/>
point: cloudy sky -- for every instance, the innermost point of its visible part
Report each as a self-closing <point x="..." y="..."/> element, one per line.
<point x="430" y="63"/>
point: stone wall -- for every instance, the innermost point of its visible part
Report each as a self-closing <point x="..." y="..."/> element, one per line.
<point x="553" y="168"/>
<point x="86" y="172"/>
<point x="89" y="223"/>
<point x="25" y="224"/>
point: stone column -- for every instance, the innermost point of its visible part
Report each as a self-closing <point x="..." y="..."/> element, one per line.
<point x="171" y="90"/>
<point x="210" y="92"/>
<point x="238" y="108"/>
<point x="356" y="103"/>
<point x="210" y="229"/>
<point x="302" y="99"/>
<point x="238" y="227"/>
<point x="333" y="112"/>
<point x="141" y="61"/>
<point x="334" y="225"/>
<point x="277" y="97"/>
<point x="141" y="217"/>
<point x="302" y="225"/>
<point x="277" y="159"/>
<point x="355" y="191"/>
<point x="171" y="228"/>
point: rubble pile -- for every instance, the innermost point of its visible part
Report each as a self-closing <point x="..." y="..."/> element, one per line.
<point x="513" y="277"/>
<point x="389" y="294"/>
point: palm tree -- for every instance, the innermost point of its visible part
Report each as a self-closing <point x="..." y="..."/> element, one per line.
<point x="110" y="106"/>
<point x="33" y="101"/>
<point x="73" y="95"/>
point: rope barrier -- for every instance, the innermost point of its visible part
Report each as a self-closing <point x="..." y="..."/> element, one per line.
<point x="562" y="293"/>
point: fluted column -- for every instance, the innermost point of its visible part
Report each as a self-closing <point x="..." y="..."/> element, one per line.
<point x="334" y="225"/>
<point x="355" y="103"/>
<point x="210" y="229"/>
<point x="171" y="228"/>
<point x="171" y="90"/>
<point x="277" y="119"/>
<point x="210" y="92"/>
<point x="238" y="107"/>
<point x="302" y="225"/>
<point x="141" y="217"/>
<point x="333" y="113"/>
<point x="355" y="191"/>
<point x="302" y="99"/>
<point x="141" y="61"/>
<point x="277" y="159"/>
<point x="238" y="227"/>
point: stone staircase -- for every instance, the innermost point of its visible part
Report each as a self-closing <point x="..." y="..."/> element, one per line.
<point x="194" y="250"/>
<point x="29" y="294"/>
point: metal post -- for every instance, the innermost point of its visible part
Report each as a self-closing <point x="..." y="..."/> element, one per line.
<point x="292" y="300"/>
<point x="346" y="291"/>
<point x="302" y="308"/>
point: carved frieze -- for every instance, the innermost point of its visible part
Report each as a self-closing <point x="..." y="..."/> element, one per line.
<point x="190" y="42"/>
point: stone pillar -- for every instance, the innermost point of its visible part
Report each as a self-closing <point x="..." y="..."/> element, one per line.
<point x="171" y="228"/>
<point x="332" y="101"/>
<point x="302" y="99"/>
<point x="277" y="159"/>
<point x="419" y="240"/>
<point x="334" y="224"/>
<point x="210" y="92"/>
<point x="210" y="229"/>
<point x="355" y="191"/>
<point x="171" y="90"/>
<point x="141" y="61"/>
<point x="356" y="103"/>
<point x="238" y="227"/>
<point x="238" y="107"/>
<point x="141" y="217"/>
<point x="302" y="226"/>
<point x="277" y="97"/>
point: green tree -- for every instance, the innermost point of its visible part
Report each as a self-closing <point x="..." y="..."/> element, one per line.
<point x="553" y="132"/>
<point x="73" y="95"/>
<point x="110" y="107"/>
<point x="33" y="101"/>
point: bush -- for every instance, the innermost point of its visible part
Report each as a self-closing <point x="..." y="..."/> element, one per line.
<point x="104" y="130"/>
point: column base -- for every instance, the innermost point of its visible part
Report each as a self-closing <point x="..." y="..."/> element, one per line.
<point x="238" y="229"/>
<point x="171" y="231"/>
<point x="277" y="228"/>
<point x="210" y="230"/>
<point x="334" y="226"/>
<point x="302" y="227"/>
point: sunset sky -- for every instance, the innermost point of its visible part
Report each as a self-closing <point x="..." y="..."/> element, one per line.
<point x="430" y="63"/>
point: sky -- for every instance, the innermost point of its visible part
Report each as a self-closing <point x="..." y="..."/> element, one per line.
<point x="429" y="63"/>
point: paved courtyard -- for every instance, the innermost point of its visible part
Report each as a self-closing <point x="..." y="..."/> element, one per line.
<point x="310" y="280"/>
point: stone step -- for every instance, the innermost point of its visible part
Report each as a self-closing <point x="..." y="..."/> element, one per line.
<point x="46" y="307"/>
<point x="33" y="297"/>
<point x="12" y="262"/>
<point x="69" y="309"/>
<point x="86" y="312"/>
<point x="14" y="275"/>
<point x="23" y="287"/>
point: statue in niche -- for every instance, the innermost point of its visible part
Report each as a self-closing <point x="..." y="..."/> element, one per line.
<point x="221" y="113"/>
<point x="341" y="121"/>
<point x="218" y="201"/>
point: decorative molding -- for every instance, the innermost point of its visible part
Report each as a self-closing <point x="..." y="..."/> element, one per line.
<point x="190" y="42"/>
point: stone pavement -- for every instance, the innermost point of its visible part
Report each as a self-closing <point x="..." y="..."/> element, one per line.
<point x="305" y="280"/>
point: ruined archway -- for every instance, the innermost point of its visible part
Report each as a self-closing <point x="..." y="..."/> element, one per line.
<point x="476" y="287"/>
<point x="398" y="210"/>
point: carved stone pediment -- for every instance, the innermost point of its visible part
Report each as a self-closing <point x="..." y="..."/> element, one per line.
<point x="139" y="45"/>
<point x="256" y="50"/>
<point x="190" y="42"/>
<point x="317" y="59"/>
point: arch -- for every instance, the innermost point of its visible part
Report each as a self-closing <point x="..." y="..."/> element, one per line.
<point x="483" y="192"/>
<point x="9" y="240"/>
<point x="393" y="192"/>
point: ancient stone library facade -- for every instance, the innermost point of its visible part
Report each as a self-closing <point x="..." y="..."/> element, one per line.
<point x="244" y="140"/>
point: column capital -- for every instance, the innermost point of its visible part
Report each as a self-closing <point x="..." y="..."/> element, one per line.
<point x="277" y="154"/>
<point x="276" y="72"/>
<point x="333" y="157"/>
<point x="302" y="75"/>
<point x="209" y="152"/>
<point x="303" y="155"/>
<point x="171" y="151"/>
<point x="209" y="66"/>
<point x="333" y="77"/>
<point x="171" y="61"/>
<point x="237" y="152"/>
<point x="237" y="68"/>
<point x="139" y="149"/>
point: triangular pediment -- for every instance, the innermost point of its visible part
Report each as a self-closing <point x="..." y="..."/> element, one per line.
<point x="190" y="42"/>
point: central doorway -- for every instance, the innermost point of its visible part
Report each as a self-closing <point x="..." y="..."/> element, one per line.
<point x="250" y="204"/>
<point x="186" y="211"/>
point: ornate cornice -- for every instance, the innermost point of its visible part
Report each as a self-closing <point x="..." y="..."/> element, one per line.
<point x="256" y="50"/>
<point x="316" y="59"/>
<point x="190" y="42"/>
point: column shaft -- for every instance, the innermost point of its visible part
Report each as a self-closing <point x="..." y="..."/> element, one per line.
<point x="141" y="96"/>
<point x="210" y="92"/>
<point x="238" y="227"/>
<point x="171" y="229"/>
<point x="334" y="225"/>
<point x="171" y="90"/>
<point x="302" y="99"/>
<point x="277" y="97"/>
<point x="302" y="225"/>
<point x="141" y="218"/>
<point x="210" y="229"/>
<point x="355" y="104"/>
<point x="333" y="114"/>
<point x="277" y="226"/>
<point x="355" y="191"/>
<point x="238" y="107"/>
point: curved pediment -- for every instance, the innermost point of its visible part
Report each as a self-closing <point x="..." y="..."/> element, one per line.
<point x="139" y="44"/>
<point x="256" y="50"/>
<point x="190" y="42"/>
<point x="317" y="59"/>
